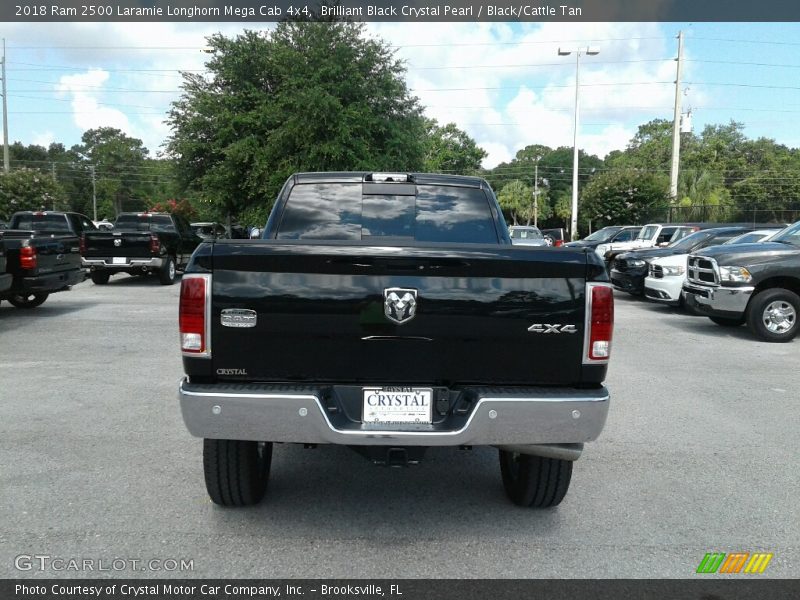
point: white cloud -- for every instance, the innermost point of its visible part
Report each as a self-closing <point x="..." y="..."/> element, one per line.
<point x="497" y="152"/>
<point x="44" y="138"/>
<point x="502" y="83"/>
<point x="509" y="88"/>
<point x="87" y="110"/>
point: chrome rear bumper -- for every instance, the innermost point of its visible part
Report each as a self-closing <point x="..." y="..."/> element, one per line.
<point x="499" y="417"/>
<point x="153" y="263"/>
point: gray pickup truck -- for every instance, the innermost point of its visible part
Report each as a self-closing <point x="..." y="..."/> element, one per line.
<point x="757" y="284"/>
<point x="390" y="313"/>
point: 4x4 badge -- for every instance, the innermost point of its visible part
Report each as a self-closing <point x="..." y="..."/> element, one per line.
<point x="556" y="328"/>
<point x="400" y="304"/>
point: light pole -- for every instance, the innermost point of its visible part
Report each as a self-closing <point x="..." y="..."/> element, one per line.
<point x="536" y="192"/>
<point x="578" y="51"/>
<point x="5" y="112"/>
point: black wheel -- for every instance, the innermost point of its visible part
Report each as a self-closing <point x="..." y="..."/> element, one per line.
<point x="533" y="480"/>
<point x="236" y="471"/>
<point x="27" y="300"/>
<point x="100" y="277"/>
<point x="727" y="322"/>
<point x="166" y="275"/>
<point x="772" y="315"/>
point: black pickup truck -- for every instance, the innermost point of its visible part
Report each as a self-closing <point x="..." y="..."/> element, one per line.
<point x="757" y="284"/>
<point x="41" y="256"/>
<point x="390" y="313"/>
<point x="6" y="278"/>
<point x="140" y="243"/>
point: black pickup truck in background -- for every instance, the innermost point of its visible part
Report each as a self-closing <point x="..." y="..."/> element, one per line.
<point x="390" y="313"/>
<point x="757" y="284"/>
<point x="41" y="255"/>
<point x="6" y="278"/>
<point x="140" y="243"/>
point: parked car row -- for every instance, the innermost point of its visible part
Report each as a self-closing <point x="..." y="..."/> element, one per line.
<point x="734" y="275"/>
<point x="628" y="270"/>
<point x="666" y="274"/>
<point x="43" y="252"/>
<point x="607" y="236"/>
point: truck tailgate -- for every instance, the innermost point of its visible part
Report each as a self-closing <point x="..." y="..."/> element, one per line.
<point x="481" y="313"/>
<point x="117" y="243"/>
<point x="55" y="253"/>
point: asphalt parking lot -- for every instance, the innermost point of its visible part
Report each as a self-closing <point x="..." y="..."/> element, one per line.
<point x="699" y="455"/>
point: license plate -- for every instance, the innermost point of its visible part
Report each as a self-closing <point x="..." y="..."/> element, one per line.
<point x="385" y="405"/>
<point x="119" y="260"/>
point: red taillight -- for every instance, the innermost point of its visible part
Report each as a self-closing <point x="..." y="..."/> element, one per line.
<point x="194" y="314"/>
<point x="82" y="244"/>
<point x="155" y="245"/>
<point x="599" y="322"/>
<point x="558" y="243"/>
<point x="28" y="258"/>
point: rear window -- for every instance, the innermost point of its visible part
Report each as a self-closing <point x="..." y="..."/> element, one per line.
<point x="626" y="235"/>
<point x="675" y="234"/>
<point x="41" y="222"/>
<point x="157" y="223"/>
<point x="404" y="212"/>
<point x="526" y="234"/>
<point x="648" y="232"/>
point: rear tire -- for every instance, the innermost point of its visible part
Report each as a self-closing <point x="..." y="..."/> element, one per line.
<point x="27" y="300"/>
<point x="535" y="481"/>
<point x="727" y="322"/>
<point x="100" y="277"/>
<point x="166" y="275"/>
<point x="772" y="315"/>
<point x="236" y="472"/>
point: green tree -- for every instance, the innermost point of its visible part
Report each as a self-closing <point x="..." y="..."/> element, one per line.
<point x="60" y="164"/>
<point x="768" y="195"/>
<point x="118" y="161"/>
<point x="450" y="150"/>
<point x="554" y="168"/>
<point x="29" y="189"/>
<point x="703" y="196"/>
<point x="650" y="149"/>
<point x="516" y="200"/>
<point x="308" y="96"/>
<point x="624" y="196"/>
<point x="562" y="208"/>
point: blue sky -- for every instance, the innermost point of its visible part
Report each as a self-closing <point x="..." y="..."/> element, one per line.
<point x="503" y="83"/>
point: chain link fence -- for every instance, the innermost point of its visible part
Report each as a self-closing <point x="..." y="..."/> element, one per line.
<point x="715" y="214"/>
